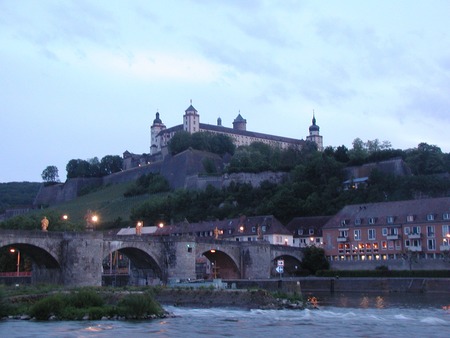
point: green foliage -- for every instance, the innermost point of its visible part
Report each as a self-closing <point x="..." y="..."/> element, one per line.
<point x="17" y="194"/>
<point x="148" y="184"/>
<point x="214" y="143"/>
<point x="139" y="306"/>
<point x="314" y="259"/>
<point x="85" y="298"/>
<point x="47" y="307"/>
<point x="50" y="174"/>
<point x="93" y="167"/>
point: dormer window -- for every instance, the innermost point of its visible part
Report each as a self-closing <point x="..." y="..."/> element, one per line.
<point x="410" y="218"/>
<point x="344" y="222"/>
<point x="390" y="219"/>
<point x="358" y="221"/>
<point x="430" y="217"/>
<point x="311" y="231"/>
<point x="446" y="216"/>
<point x="300" y="231"/>
<point x="372" y="220"/>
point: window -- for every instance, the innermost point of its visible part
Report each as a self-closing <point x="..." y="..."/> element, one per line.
<point x="415" y="230"/>
<point x="383" y="245"/>
<point x="393" y="231"/>
<point x="410" y="218"/>
<point x="372" y="220"/>
<point x="445" y="230"/>
<point x="407" y="230"/>
<point x="430" y="217"/>
<point x="357" y="234"/>
<point x="384" y="231"/>
<point x="358" y="221"/>
<point x="263" y="228"/>
<point x="343" y="233"/>
<point x="371" y="234"/>
<point x="446" y="216"/>
<point x="431" y="244"/>
<point x="343" y="222"/>
<point x="430" y="231"/>
<point x="311" y="231"/>
<point x="390" y="219"/>
<point x="300" y="231"/>
<point x="253" y="229"/>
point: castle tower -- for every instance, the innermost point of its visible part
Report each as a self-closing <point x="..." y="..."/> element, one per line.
<point x="191" y="120"/>
<point x="219" y="121"/>
<point x="157" y="126"/>
<point x="240" y="123"/>
<point x="314" y="135"/>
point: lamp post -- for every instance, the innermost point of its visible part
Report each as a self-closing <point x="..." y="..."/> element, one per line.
<point x="12" y="250"/>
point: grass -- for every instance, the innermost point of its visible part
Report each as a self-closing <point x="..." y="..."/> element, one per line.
<point x="108" y="202"/>
<point x="44" y="303"/>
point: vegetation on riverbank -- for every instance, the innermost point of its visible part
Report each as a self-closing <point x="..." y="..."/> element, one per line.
<point x="56" y="303"/>
<point x="79" y="304"/>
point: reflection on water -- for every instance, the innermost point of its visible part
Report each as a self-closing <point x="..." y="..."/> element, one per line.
<point x="339" y="315"/>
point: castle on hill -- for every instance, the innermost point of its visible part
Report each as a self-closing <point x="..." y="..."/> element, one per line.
<point x="161" y="135"/>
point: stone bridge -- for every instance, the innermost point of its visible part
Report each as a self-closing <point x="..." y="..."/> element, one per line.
<point x="96" y="258"/>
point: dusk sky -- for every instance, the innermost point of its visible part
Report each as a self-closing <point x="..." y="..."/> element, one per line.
<point x="83" y="79"/>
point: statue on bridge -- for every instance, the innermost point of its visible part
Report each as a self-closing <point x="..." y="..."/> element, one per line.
<point x="44" y="224"/>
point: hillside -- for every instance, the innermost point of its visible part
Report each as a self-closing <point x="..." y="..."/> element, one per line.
<point x="17" y="194"/>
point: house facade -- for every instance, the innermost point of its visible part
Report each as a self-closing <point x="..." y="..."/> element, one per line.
<point x="307" y="231"/>
<point x="389" y="230"/>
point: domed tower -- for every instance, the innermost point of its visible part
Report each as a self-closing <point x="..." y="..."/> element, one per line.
<point x="191" y="120"/>
<point x="314" y="135"/>
<point x="155" y="142"/>
<point x="240" y="123"/>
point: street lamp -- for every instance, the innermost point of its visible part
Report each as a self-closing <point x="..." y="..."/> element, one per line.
<point x="12" y="250"/>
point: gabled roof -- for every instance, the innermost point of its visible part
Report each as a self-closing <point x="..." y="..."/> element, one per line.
<point x="399" y="210"/>
<point x="314" y="222"/>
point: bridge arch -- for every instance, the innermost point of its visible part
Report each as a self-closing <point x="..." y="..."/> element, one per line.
<point x="45" y="268"/>
<point x="139" y="267"/>
<point x="220" y="265"/>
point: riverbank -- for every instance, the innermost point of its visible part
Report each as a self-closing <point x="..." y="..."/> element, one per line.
<point x="245" y="299"/>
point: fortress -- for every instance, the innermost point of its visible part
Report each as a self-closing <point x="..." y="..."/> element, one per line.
<point x="160" y="135"/>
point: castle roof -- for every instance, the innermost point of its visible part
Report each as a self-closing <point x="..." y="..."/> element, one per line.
<point x="191" y="108"/>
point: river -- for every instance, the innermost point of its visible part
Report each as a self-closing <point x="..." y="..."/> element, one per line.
<point x="338" y="315"/>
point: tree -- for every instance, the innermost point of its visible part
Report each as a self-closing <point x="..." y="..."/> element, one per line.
<point x="314" y="259"/>
<point x="50" y="174"/>
<point x="110" y="165"/>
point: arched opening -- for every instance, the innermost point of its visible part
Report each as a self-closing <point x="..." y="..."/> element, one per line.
<point x="28" y="264"/>
<point x="130" y="266"/>
<point x="290" y="266"/>
<point x="216" y="264"/>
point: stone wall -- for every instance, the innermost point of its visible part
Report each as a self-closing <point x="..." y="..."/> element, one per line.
<point x="392" y="264"/>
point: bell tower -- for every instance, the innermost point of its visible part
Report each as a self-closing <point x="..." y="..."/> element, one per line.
<point x="314" y="135"/>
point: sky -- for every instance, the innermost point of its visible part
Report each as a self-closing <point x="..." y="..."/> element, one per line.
<point x="83" y="79"/>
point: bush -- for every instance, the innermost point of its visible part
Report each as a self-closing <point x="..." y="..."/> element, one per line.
<point x="46" y="307"/>
<point x="139" y="306"/>
<point x="85" y="299"/>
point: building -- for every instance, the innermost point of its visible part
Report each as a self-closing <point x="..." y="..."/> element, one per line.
<point x="241" y="229"/>
<point x="307" y="231"/>
<point x="389" y="230"/>
<point x="161" y="135"/>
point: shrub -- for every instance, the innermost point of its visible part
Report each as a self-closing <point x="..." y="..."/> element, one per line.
<point x="139" y="306"/>
<point x="46" y="307"/>
<point x="85" y="299"/>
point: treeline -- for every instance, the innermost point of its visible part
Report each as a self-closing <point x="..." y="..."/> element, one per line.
<point x="17" y="194"/>
<point x="314" y="185"/>
<point x="214" y="143"/>
<point x="94" y="167"/>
